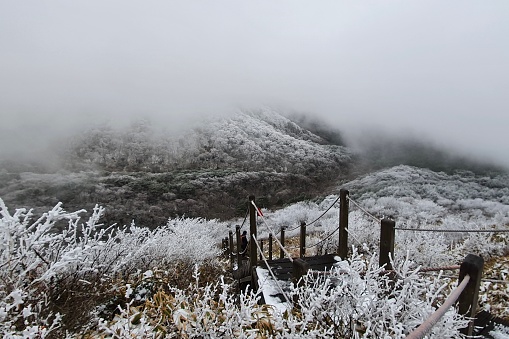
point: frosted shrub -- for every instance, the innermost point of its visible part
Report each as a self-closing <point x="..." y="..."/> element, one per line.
<point x="44" y="272"/>
<point x="353" y="300"/>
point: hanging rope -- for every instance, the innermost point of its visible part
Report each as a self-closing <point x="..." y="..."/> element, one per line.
<point x="437" y="269"/>
<point x="450" y="231"/>
<point x="270" y="271"/>
<point x="273" y="234"/>
<point x="245" y="218"/>
<point x="364" y="210"/>
<point x="429" y="269"/>
<point x="320" y="217"/>
<point x="354" y="238"/>
<point x="327" y="210"/>
<point x="426" y="326"/>
<point x="323" y="240"/>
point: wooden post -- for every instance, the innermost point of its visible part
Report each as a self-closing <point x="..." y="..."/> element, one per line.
<point x="252" y="222"/>
<point x="230" y="238"/>
<point x="467" y="302"/>
<point x="281" y="252"/>
<point x="261" y="248"/>
<point x="225" y="246"/>
<point x="239" y="247"/>
<point x="302" y="239"/>
<point x="300" y="268"/>
<point x="387" y="233"/>
<point x="270" y="246"/>
<point x="343" y="223"/>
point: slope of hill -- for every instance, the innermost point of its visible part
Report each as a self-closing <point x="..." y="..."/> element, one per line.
<point x="143" y="174"/>
<point x="422" y="192"/>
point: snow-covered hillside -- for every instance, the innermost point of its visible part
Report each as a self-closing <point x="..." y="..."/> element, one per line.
<point x="255" y="141"/>
<point x="416" y="198"/>
<point x="134" y="280"/>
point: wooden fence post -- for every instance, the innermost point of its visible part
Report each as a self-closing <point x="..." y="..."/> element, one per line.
<point x="261" y="249"/>
<point x="270" y="246"/>
<point x="225" y="246"/>
<point x="300" y="268"/>
<point x="230" y="239"/>
<point x="239" y="247"/>
<point x="343" y="223"/>
<point x="281" y="252"/>
<point x="302" y="239"/>
<point x="387" y="233"/>
<point x="467" y="302"/>
<point x="252" y="223"/>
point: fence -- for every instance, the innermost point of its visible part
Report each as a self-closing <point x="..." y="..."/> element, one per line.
<point x="465" y="295"/>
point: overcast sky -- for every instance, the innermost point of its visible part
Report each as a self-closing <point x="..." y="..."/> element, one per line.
<point x="439" y="69"/>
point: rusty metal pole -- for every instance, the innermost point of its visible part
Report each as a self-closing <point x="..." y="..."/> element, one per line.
<point x="343" y="223"/>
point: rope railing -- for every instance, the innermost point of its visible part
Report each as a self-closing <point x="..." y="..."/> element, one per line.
<point x="245" y="218"/>
<point x="450" y="231"/>
<point x="363" y="209"/>
<point x="270" y="271"/>
<point x="482" y="279"/>
<point x="273" y="234"/>
<point x="426" y="326"/>
<point x="327" y="210"/>
<point x="354" y="238"/>
<point x="428" y="269"/>
<point x="320" y="217"/>
<point x="323" y="240"/>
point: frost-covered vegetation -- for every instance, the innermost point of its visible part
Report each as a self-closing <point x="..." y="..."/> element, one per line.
<point x="143" y="173"/>
<point x="171" y="281"/>
<point x="162" y="274"/>
<point x="261" y="140"/>
<point x="132" y="282"/>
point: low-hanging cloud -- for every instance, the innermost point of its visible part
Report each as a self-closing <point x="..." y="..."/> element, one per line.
<point x="435" y="69"/>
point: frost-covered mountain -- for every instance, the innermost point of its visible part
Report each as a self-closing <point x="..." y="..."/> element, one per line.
<point x="262" y="140"/>
<point x="142" y="173"/>
<point x="422" y="192"/>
